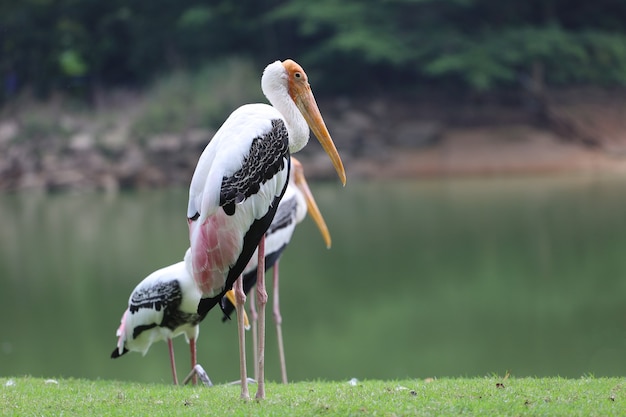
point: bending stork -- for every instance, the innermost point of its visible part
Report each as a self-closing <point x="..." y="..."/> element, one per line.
<point x="240" y="178"/>
<point x="166" y="304"/>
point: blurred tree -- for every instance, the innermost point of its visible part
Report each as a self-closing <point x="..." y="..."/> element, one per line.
<point x="26" y="42"/>
<point x="482" y="44"/>
<point x="477" y="45"/>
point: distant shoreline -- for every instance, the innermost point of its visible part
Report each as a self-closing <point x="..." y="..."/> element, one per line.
<point x="382" y="138"/>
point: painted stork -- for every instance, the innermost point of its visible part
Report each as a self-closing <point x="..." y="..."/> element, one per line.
<point x="166" y="304"/>
<point x="292" y="209"/>
<point x="240" y="178"/>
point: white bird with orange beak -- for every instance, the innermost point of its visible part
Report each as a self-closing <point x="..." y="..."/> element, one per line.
<point x="240" y="178"/>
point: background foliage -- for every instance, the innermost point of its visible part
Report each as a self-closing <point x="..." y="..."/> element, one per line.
<point x="473" y="45"/>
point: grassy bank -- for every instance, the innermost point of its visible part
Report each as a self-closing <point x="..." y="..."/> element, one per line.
<point x="586" y="396"/>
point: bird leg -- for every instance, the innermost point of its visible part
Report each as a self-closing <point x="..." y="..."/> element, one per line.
<point x="198" y="371"/>
<point x="170" y="346"/>
<point x="262" y="300"/>
<point x="240" y="299"/>
<point x="192" y="349"/>
<point x="255" y="333"/>
<point x="278" y="320"/>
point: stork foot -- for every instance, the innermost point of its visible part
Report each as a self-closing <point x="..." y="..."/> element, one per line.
<point x="202" y="375"/>
<point x="238" y="382"/>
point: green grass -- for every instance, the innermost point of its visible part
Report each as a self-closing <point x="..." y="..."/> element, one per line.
<point x="588" y="396"/>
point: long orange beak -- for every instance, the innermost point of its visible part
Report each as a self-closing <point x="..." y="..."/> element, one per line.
<point x="312" y="208"/>
<point x="308" y="107"/>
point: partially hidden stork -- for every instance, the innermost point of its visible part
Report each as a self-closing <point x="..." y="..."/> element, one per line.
<point x="238" y="182"/>
<point x="165" y="304"/>
<point x="293" y="208"/>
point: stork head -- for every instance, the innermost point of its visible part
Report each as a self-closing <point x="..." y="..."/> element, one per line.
<point x="286" y="84"/>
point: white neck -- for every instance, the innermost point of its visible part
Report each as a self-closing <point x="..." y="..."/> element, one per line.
<point x="274" y="85"/>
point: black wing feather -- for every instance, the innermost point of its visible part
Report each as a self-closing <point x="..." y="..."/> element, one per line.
<point x="285" y="215"/>
<point x="161" y="295"/>
<point x="266" y="159"/>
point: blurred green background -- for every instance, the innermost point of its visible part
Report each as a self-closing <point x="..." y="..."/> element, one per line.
<point x="464" y="277"/>
<point x="456" y="44"/>
<point x="443" y="262"/>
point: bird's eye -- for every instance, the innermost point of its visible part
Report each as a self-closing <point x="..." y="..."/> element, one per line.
<point x="297" y="75"/>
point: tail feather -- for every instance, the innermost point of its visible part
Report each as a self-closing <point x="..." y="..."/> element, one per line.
<point x="121" y="337"/>
<point x="116" y="353"/>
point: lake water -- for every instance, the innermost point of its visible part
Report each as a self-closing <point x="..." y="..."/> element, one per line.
<point x="429" y="278"/>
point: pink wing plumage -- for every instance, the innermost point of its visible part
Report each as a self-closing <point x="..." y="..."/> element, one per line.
<point x="121" y="333"/>
<point x="216" y="246"/>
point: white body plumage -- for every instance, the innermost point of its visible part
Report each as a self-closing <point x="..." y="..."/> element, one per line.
<point x="162" y="306"/>
<point x="240" y="179"/>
